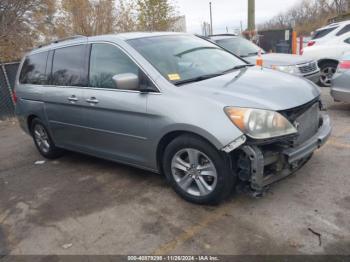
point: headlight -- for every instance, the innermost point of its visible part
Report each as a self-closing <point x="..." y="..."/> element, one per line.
<point x="287" y="69"/>
<point x="260" y="124"/>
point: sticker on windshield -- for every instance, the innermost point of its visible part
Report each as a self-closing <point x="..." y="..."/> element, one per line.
<point x="174" y="77"/>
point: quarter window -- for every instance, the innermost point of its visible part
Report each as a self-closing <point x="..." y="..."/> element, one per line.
<point x="106" y="61"/>
<point x="321" y="33"/>
<point x="68" y="68"/>
<point x="344" y="30"/>
<point x="33" y="70"/>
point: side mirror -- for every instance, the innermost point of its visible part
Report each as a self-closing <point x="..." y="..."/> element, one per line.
<point x="126" y="81"/>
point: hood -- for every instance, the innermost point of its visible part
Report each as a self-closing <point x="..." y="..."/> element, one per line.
<point x="279" y="59"/>
<point x="254" y="87"/>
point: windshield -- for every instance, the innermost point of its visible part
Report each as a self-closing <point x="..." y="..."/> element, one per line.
<point x="181" y="58"/>
<point x="239" y="46"/>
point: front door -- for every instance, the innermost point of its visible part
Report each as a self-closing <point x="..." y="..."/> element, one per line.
<point x="117" y="121"/>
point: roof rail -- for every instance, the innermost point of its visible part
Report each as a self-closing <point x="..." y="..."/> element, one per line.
<point x="63" y="39"/>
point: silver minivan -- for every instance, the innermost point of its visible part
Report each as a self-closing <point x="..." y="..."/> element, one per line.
<point x="171" y="103"/>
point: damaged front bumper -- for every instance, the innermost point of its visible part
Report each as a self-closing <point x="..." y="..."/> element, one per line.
<point x="262" y="165"/>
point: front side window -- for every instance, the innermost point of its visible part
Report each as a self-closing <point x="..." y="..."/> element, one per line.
<point x="33" y="70"/>
<point x="239" y="46"/>
<point x="68" y="68"/>
<point x="107" y="61"/>
<point x="182" y="58"/>
<point x="321" y="33"/>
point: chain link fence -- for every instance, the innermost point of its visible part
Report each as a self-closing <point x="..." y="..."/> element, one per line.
<point x="8" y="73"/>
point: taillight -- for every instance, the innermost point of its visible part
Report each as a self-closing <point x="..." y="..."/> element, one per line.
<point x="14" y="96"/>
<point x="311" y="43"/>
<point x="344" y="65"/>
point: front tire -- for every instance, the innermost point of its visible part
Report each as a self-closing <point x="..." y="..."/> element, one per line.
<point x="43" y="141"/>
<point x="197" y="171"/>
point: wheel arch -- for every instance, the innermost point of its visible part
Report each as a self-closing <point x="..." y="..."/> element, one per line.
<point x="327" y="60"/>
<point x="30" y="119"/>
<point x="170" y="136"/>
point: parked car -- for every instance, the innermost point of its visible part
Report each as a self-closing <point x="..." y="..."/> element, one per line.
<point x="329" y="32"/>
<point x="170" y="103"/>
<point x="287" y="63"/>
<point x="328" y="54"/>
<point x="341" y="81"/>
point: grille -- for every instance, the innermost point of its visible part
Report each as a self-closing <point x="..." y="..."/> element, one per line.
<point x="308" y="68"/>
<point x="307" y="124"/>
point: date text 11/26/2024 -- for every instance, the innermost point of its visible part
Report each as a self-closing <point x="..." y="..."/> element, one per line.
<point x="173" y="258"/>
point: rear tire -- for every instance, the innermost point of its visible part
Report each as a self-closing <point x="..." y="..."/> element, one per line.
<point x="328" y="69"/>
<point x="43" y="140"/>
<point x="197" y="171"/>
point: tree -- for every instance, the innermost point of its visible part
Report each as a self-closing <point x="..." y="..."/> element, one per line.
<point x="28" y="23"/>
<point x="155" y="15"/>
<point x="340" y="6"/>
<point x="307" y="15"/>
<point x="126" y="17"/>
<point x="85" y="17"/>
<point x="104" y="15"/>
<point x="22" y="24"/>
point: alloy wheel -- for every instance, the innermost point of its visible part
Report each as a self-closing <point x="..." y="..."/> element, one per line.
<point x="194" y="172"/>
<point x="41" y="138"/>
<point x="327" y="75"/>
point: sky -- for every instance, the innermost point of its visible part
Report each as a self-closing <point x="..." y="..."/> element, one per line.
<point x="228" y="13"/>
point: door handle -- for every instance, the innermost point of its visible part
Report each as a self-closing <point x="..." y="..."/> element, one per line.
<point x="92" y="100"/>
<point x="73" y="99"/>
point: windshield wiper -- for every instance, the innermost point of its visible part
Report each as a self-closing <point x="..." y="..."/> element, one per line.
<point x="205" y="77"/>
<point x="197" y="79"/>
<point x="195" y="49"/>
<point x="236" y="68"/>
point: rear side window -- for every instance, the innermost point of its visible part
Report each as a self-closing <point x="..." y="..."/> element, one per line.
<point x="34" y="70"/>
<point x="68" y="67"/>
<point x="344" y="30"/>
<point x="106" y="61"/>
<point x="324" y="32"/>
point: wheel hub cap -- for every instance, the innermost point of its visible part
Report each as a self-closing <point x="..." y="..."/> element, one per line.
<point x="327" y="75"/>
<point x="194" y="172"/>
<point x="41" y="138"/>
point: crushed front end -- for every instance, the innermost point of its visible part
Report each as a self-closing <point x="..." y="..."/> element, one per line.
<point x="259" y="163"/>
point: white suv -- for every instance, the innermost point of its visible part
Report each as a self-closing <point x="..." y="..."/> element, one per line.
<point x="328" y="48"/>
<point x="329" y="32"/>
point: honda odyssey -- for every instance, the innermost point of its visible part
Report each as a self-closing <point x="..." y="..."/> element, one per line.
<point x="170" y="103"/>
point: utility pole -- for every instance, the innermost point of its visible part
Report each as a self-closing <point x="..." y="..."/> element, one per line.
<point x="211" y="19"/>
<point x="251" y="15"/>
